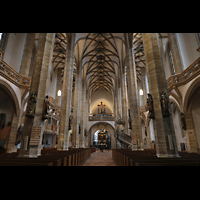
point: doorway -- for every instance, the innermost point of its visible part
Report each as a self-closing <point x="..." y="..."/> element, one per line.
<point x="102" y="139"/>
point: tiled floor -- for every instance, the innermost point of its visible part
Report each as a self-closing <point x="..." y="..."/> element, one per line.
<point x="100" y="159"/>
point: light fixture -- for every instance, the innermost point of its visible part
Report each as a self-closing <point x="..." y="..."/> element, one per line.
<point x="59" y="93"/>
<point x="141" y="92"/>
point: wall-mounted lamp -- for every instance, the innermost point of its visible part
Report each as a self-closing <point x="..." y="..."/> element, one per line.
<point x="141" y="92"/>
<point x="59" y="93"/>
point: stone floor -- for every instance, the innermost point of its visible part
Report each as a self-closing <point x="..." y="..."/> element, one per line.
<point x="99" y="158"/>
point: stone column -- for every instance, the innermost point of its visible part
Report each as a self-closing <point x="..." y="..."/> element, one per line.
<point x="125" y="116"/>
<point x="190" y="135"/>
<point x="83" y="114"/>
<point x="116" y="107"/>
<point x="58" y="87"/>
<point x="32" y="131"/>
<point x="77" y="108"/>
<point x="66" y="96"/>
<point x="27" y="54"/>
<point x="86" y="117"/>
<point x="175" y="53"/>
<point x="136" y="132"/>
<point x="166" y="145"/>
<point x="143" y="77"/>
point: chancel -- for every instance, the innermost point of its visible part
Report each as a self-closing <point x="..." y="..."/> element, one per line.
<point x="99" y="99"/>
<point x="102" y="108"/>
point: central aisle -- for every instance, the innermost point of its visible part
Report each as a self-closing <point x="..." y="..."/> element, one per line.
<point x="100" y="159"/>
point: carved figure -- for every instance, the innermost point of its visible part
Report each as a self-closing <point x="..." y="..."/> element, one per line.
<point x="79" y="129"/>
<point x="150" y="106"/>
<point x="183" y="124"/>
<point x="31" y="105"/>
<point x="164" y="104"/>
<point x="46" y="107"/>
<point x="2" y="120"/>
<point x="19" y="135"/>
<point x="129" y="119"/>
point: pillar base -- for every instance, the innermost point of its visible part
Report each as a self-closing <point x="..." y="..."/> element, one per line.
<point x="168" y="155"/>
<point x="134" y="147"/>
<point x="33" y="152"/>
<point x="11" y="149"/>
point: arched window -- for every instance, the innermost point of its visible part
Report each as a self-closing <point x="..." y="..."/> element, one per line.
<point x="171" y="62"/>
<point x="3" y="41"/>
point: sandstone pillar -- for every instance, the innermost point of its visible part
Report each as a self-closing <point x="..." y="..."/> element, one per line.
<point x="83" y="115"/>
<point x="143" y="77"/>
<point x="175" y="53"/>
<point x="164" y="130"/>
<point x="190" y="135"/>
<point x="58" y="87"/>
<point x="136" y="132"/>
<point x="66" y="96"/>
<point x="32" y="131"/>
<point x="125" y="116"/>
<point x="27" y="54"/>
<point x="76" y="130"/>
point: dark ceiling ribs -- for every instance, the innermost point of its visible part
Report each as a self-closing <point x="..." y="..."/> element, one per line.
<point x="101" y="57"/>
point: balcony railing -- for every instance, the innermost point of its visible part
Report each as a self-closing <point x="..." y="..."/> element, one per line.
<point x="101" y="118"/>
<point x="10" y="74"/>
<point x="187" y="75"/>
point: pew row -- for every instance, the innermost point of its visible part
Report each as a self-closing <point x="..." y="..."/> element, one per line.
<point x="126" y="157"/>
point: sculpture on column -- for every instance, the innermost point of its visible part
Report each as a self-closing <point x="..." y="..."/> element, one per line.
<point x="85" y="132"/>
<point x="129" y="119"/>
<point x="70" y="122"/>
<point x="150" y="106"/>
<point x="164" y="104"/>
<point x="46" y="107"/>
<point x="19" y="135"/>
<point x="183" y="123"/>
<point x="31" y="105"/>
<point x="79" y="129"/>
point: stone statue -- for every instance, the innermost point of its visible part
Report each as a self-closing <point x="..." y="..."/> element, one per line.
<point x="19" y="135"/>
<point x="70" y="122"/>
<point x="145" y="131"/>
<point x="46" y="107"/>
<point x="150" y="106"/>
<point x="79" y="129"/>
<point x="183" y="124"/>
<point x="129" y="119"/>
<point x="2" y="120"/>
<point x="164" y="104"/>
<point x="31" y="105"/>
<point x="85" y="132"/>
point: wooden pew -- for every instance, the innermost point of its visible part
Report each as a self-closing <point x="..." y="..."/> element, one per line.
<point x="126" y="157"/>
<point x="25" y="162"/>
<point x="49" y="157"/>
<point x="75" y="156"/>
<point x="67" y="159"/>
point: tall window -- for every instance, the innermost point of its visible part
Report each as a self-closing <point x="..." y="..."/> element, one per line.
<point x="3" y="40"/>
<point x="1" y="34"/>
<point x="171" y="62"/>
<point x="198" y="38"/>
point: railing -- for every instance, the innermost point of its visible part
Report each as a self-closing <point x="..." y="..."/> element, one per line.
<point x="101" y="118"/>
<point x="187" y="75"/>
<point x="10" y="74"/>
<point x="124" y="138"/>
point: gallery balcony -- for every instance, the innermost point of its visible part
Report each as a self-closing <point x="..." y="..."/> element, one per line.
<point x="101" y="117"/>
<point x="11" y="75"/>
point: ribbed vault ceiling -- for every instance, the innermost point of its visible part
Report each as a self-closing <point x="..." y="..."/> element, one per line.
<point x="100" y="55"/>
